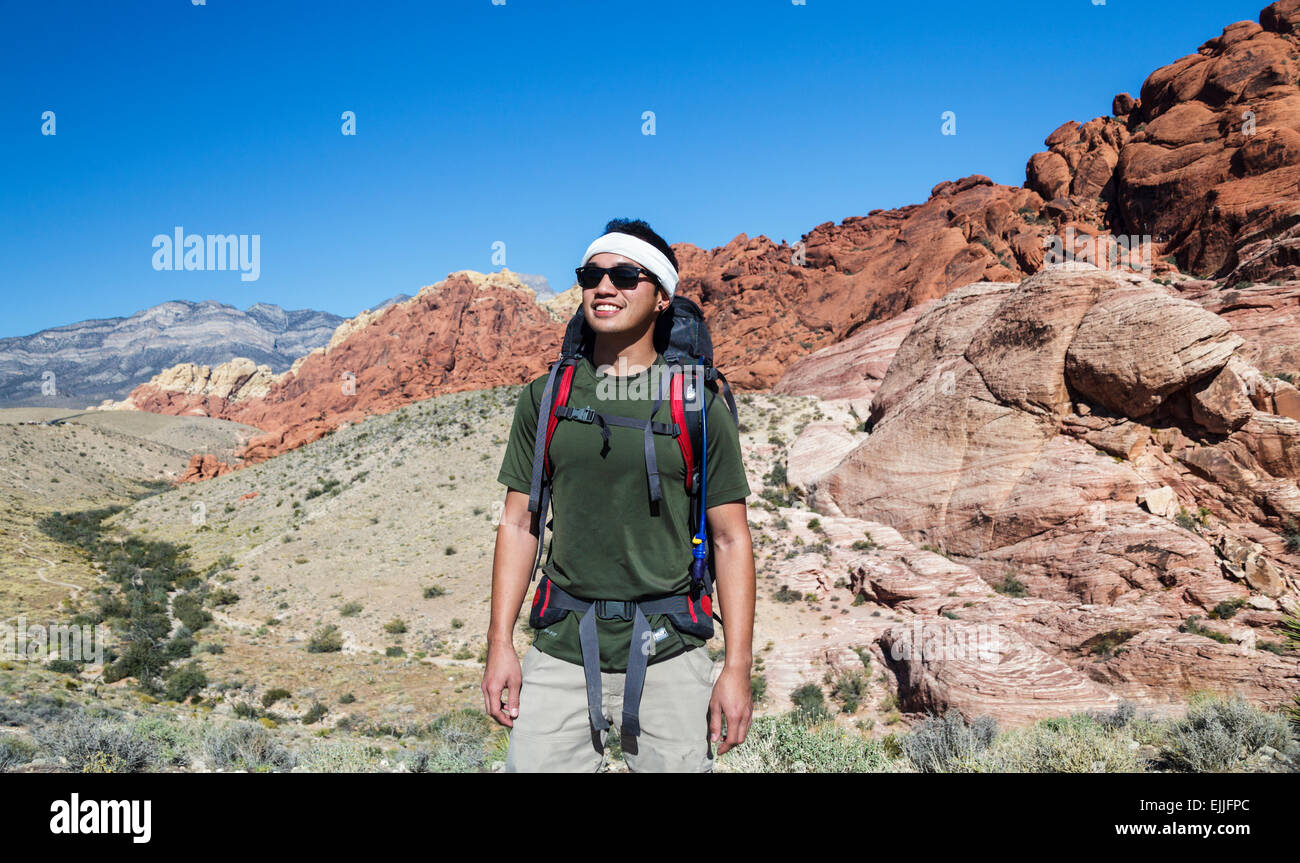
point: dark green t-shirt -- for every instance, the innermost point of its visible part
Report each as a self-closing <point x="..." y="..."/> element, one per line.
<point x="607" y="542"/>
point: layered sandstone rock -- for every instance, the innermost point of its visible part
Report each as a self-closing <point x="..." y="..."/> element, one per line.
<point x="1051" y="433"/>
<point x="202" y="390"/>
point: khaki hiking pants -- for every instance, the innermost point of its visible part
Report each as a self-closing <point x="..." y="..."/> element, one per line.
<point x="553" y="732"/>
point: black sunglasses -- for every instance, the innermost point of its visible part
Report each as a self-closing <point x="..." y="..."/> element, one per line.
<point x="622" y="276"/>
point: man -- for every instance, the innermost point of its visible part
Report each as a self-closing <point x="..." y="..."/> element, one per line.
<point x="612" y="542"/>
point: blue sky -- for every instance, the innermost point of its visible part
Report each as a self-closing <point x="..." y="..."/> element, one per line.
<point x="517" y="123"/>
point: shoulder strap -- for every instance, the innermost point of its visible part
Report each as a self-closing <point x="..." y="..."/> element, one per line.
<point x="539" y="490"/>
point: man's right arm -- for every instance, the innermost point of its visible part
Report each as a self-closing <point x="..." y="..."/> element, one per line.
<point x="512" y="563"/>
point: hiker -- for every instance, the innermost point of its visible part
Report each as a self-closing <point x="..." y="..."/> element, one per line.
<point x="624" y="607"/>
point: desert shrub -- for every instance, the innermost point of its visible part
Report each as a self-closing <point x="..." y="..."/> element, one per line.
<point x="785" y="594"/>
<point x="222" y="596"/>
<point x="271" y="696"/>
<point x="63" y="666"/>
<point x="143" y="659"/>
<point x="457" y="741"/>
<point x="188" y="609"/>
<point x="785" y="744"/>
<point x="758" y="687"/>
<point x="396" y="626"/>
<point x="185" y="681"/>
<point x="1072" y="744"/>
<point x="1011" y="586"/>
<point x="14" y="752"/>
<point x="1226" y="609"/>
<point x="1217" y="734"/>
<point x="1292" y="536"/>
<point x="433" y="591"/>
<point x="314" y="713"/>
<point x="244" y="746"/>
<point x="346" y="757"/>
<point x="327" y="639"/>
<point x="940" y="742"/>
<point x="809" y="704"/>
<point x="350" y="609"/>
<point x="174" y="741"/>
<point x="1194" y="626"/>
<point x="180" y="646"/>
<point x="99" y="745"/>
<point x="848" y="689"/>
<point x="1120" y="717"/>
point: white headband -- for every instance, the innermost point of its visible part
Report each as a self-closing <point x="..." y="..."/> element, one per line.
<point x="638" y="250"/>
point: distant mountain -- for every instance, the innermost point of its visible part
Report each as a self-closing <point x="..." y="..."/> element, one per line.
<point x="540" y="285"/>
<point x="93" y="360"/>
<point x="399" y="298"/>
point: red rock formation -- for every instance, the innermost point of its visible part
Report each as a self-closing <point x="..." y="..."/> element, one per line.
<point x="769" y="304"/>
<point x="203" y="467"/>
<point x="1206" y="161"/>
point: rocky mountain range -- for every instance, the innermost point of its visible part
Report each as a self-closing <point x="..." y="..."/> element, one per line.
<point x="81" y="364"/>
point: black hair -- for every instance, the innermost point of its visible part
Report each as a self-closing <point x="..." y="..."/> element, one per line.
<point x="639" y="228"/>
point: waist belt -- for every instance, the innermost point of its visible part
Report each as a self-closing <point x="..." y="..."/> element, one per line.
<point x="637" y="652"/>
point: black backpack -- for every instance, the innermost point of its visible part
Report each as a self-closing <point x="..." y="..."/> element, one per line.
<point x="682" y="336"/>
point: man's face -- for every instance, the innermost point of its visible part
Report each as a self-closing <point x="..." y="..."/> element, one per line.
<point x="611" y="310"/>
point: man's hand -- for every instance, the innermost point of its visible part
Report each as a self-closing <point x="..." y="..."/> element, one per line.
<point x="733" y="699"/>
<point x="502" y="674"/>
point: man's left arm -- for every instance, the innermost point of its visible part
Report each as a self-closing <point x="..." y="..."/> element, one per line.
<point x="734" y="571"/>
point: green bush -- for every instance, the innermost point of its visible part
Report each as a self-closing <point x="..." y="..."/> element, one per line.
<point x="185" y="681"/>
<point x="271" y="696"/>
<point x="327" y="639"/>
<point x="785" y="594"/>
<point x="809" y="704"/>
<point x="1011" y="586"/>
<point x="188" y="609"/>
<point x="849" y="688"/>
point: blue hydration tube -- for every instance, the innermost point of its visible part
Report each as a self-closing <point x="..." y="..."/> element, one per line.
<point x="700" y="547"/>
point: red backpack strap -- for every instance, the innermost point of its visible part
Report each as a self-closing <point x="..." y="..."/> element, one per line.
<point x="561" y="398"/>
<point x="678" y="407"/>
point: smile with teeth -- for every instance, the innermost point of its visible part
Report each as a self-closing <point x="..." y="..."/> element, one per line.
<point x="605" y="308"/>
